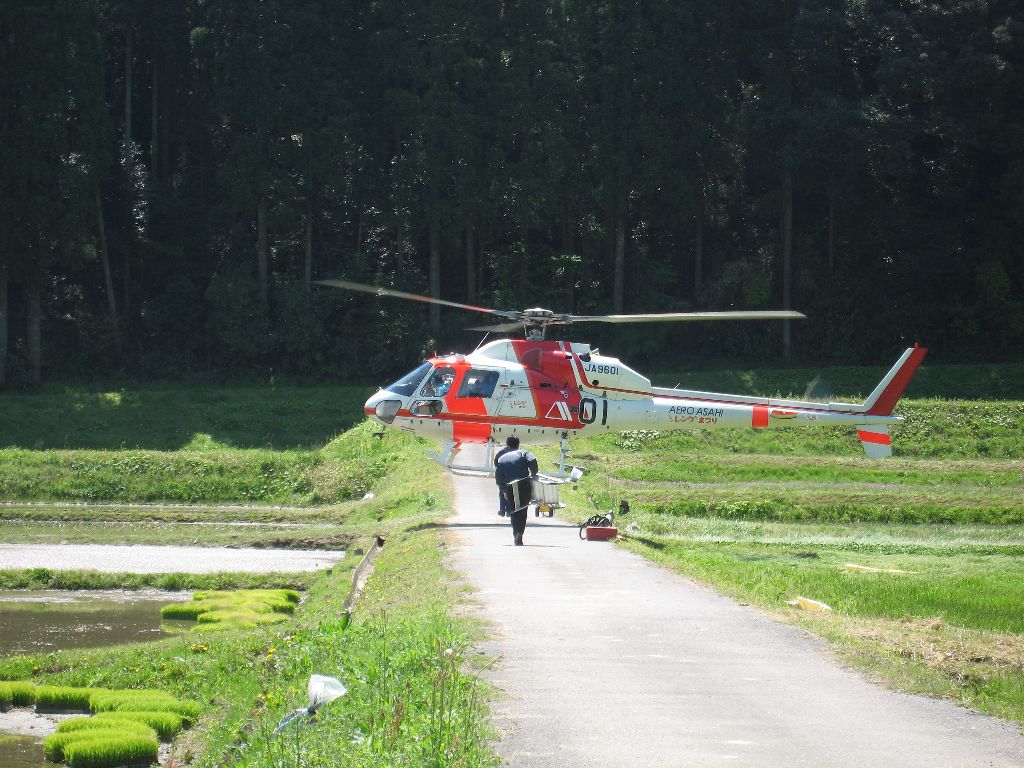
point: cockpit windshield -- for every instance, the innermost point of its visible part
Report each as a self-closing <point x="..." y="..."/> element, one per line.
<point x="406" y="385"/>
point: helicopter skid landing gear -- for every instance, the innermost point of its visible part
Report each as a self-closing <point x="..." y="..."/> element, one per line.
<point x="450" y="449"/>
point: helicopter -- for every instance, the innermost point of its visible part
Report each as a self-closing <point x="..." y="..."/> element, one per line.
<point x="552" y="391"/>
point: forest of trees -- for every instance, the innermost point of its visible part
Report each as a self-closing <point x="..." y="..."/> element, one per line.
<point x="175" y="175"/>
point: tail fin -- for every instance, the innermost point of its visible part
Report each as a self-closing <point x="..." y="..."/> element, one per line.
<point x="883" y="399"/>
<point x="875" y="439"/>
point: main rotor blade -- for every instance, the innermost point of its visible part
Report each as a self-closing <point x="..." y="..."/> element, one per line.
<point x="500" y="328"/>
<point x="378" y="291"/>
<point x="781" y="314"/>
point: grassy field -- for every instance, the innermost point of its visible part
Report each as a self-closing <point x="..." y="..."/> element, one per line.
<point x="769" y="516"/>
<point x="764" y="516"/>
<point x="413" y="697"/>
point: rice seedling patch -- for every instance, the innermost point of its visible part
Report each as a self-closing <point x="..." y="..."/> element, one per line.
<point x="113" y="751"/>
<point x="17" y="693"/>
<point x="244" y="608"/>
<point x="144" y="700"/>
<point x="166" y="724"/>
<point x="76" y="724"/>
<point x="55" y="698"/>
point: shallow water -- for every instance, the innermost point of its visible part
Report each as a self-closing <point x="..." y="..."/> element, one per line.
<point x="38" y="622"/>
<point x="21" y="752"/>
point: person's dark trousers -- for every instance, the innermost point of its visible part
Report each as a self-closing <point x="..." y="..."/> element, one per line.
<point x="518" y="522"/>
<point x="505" y="504"/>
<point x="518" y="517"/>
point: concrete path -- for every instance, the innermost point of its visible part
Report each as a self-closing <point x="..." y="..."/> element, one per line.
<point x="607" y="660"/>
<point x="155" y="559"/>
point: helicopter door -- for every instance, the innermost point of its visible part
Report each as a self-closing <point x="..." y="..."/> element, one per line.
<point x="476" y="392"/>
<point x="432" y="394"/>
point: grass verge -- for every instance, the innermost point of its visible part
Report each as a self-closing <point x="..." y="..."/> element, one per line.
<point x="411" y="698"/>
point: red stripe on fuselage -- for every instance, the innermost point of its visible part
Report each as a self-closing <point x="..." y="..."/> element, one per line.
<point x="471" y="432"/>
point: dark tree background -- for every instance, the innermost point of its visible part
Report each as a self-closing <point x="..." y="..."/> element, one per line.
<point x="174" y="175"/>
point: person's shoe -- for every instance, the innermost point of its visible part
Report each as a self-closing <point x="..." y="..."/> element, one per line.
<point x="501" y="513"/>
<point x="518" y="538"/>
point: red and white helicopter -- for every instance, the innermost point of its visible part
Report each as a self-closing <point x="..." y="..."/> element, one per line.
<point x="550" y="391"/>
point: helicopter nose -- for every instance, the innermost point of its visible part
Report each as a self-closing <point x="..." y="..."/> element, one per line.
<point x="383" y="406"/>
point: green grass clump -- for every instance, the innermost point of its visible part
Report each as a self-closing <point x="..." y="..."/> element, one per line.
<point x="166" y="724"/>
<point x="55" y="698"/>
<point x="288" y="595"/>
<point x="113" y="751"/>
<point x="245" y="608"/>
<point x="76" y="724"/>
<point x="144" y="701"/>
<point x="114" y="745"/>
<point x="228" y="618"/>
<point x="17" y="693"/>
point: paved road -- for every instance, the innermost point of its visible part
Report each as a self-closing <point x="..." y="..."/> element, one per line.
<point x="607" y="660"/>
<point x="152" y="559"/>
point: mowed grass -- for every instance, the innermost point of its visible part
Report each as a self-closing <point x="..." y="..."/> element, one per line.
<point x="767" y="516"/>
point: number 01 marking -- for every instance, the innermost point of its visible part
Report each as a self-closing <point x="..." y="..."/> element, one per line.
<point x="588" y="411"/>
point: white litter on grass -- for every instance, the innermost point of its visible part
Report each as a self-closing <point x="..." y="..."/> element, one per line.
<point x="367" y="496"/>
<point x="155" y="559"/>
<point x="320" y="691"/>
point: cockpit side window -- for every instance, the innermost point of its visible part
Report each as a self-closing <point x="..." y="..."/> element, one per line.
<point x="406" y="385"/>
<point x="439" y="383"/>
<point x="478" y="383"/>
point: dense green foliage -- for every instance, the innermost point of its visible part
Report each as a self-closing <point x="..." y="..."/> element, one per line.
<point x="171" y="178"/>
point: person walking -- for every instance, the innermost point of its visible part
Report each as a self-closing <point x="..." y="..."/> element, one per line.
<point x="502" y="509"/>
<point x="512" y="472"/>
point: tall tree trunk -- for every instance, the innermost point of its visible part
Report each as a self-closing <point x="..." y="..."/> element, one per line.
<point x="786" y="221"/>
<point x="126" y="275"/>
<point x="831" y="232"/>
<point x="307" y="256"/>
<point x="521" y="272"/>
<point x="619" y="268"/>
<point x="470" y="263"/>
<point x="128" y="72"/>
<point x="435" y="271"/>
<point x="359" y="232"/>
<point x="34" y="336"/>
<point x="569" y="247"/>
<point x="307" y="260"/>
<point x="108" y="280"/>
<point x="154" y="143"/>
<point x="3" y="326"/>
<point x="698" y="248"/>
<point x="262" y="254"/>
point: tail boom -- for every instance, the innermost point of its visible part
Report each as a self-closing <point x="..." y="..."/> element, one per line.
<point x="684" y="409"/>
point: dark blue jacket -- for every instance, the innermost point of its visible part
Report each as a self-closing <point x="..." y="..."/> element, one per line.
<point x="515" y="465"/>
